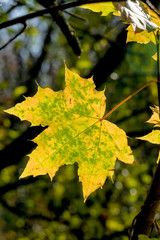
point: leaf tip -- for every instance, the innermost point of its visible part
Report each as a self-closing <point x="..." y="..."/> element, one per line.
<point x="66" y="68"/>
<point x="9" y="111"/>
<point x="85" y="198"/>
<point x="23" y="175"/>
<point x="111" y="173"/>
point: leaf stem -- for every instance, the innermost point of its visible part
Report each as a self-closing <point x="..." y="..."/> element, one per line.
<point x="126" y="99"/>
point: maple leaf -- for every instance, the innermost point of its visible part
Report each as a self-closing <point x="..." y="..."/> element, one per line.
<point x="134" y="13"/>
<point x="76" y="132"/>
<point x="146" y="34"/>
<point x="141" y="18"/>
<point x="154" y="136"/>
<point x="105" y="7"/>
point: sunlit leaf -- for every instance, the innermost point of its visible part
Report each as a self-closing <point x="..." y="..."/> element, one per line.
<point x="76" y="132"/>
<point x="155" y="116"/>
<point x="141" y="37"/>
<point x="141" y="19"/>
<point x="134" y="13"/>
<point x="154" y="136"/>
<point x="105" y="8"/>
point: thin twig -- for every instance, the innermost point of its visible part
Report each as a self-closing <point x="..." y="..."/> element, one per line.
<point x="152" y="7"/>
<point x="157" y="226"/>
<point x="12" y="39"/>
<point x="75" y="16"/>
<point x="13" y="7"/>
<point x="52" y="10"/>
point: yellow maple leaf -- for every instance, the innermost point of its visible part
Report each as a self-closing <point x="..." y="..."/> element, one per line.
<point x="140" y="37"/>
<point x="104" y="7"/>
<point x="143" y="21"/>
<point x="154" y="136"/>
<point x="76" y="132"/>
<point x="146" y="35"/>
<point x="155" y="116"/>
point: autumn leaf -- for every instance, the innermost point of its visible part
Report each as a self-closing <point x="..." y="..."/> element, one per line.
<point x="154" y="136"/>
<point x="141" y="37"/>
<point x="155" y="116"/>
<point x="134" y="13"/>
<point x="76" y="132"/>
<point x="150" y="26"/>
<point x="104" y="7"/>
<point x="143" y="21"/>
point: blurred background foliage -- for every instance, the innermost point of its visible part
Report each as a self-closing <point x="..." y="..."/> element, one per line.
<point x="36" y="208"/>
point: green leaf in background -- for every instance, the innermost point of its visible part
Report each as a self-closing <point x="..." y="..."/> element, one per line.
<point x="144" y="237"/>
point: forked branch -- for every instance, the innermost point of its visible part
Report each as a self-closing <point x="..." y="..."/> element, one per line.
<point x="50" y="10"/>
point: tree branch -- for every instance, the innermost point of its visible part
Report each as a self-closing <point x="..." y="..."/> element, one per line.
<point x="20" y="213"/>
<point x="13" y="38"/>
<point x="145" y="219"/>
<point x="50" y="10"/>
<point x="23" y="146"/>
<point x="34" y="70"/>
<point x="65" y="27"/>
<point x="15" y="185"/>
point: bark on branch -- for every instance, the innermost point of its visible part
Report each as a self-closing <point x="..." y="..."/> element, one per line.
<point x="145" y="219"/>
<point x="55" y="9"/>
<point x="50" y="10"/>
